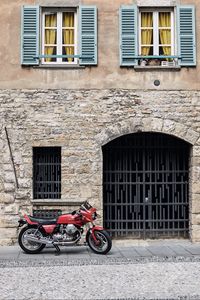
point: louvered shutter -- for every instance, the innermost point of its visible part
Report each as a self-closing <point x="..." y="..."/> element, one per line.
<point x="88" y="35"/>
<point x="30" y="35"/>
<point x="128" y="35"/>
<point x="186" y="35"/>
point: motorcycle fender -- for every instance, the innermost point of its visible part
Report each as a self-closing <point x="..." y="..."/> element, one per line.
<point x="21" y="222"/>
<point x="93" y="229"/>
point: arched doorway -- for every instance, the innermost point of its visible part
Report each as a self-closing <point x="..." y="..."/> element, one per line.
<point x="145" y="186"/>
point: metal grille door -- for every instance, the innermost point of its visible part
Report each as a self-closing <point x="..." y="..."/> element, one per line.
<point x="145" y="181"/>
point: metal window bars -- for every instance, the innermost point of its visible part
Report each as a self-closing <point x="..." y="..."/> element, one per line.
<point x="47" y="172"/>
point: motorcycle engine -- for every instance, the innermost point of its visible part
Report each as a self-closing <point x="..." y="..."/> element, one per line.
<point x="67" y="233"/>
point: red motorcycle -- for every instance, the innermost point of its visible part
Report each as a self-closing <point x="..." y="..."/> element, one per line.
<point x="66" y="230"/>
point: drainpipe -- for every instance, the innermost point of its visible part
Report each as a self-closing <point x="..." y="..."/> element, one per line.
<point x="11" y="156"/>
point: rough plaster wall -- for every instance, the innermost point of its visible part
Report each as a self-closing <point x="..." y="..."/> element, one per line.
<point x="106" y="75"/>
<point x="157" y="3"/>
<point x="62" y="3"/>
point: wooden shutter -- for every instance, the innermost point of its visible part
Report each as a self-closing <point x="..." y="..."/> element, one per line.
<point x="88" y="35"/>
<point x="128" y="35"/>
<point x="30" y="35"/>
<point x="186" y="35"/>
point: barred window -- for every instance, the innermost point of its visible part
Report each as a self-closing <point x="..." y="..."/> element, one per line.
<point x="47" y="172"/>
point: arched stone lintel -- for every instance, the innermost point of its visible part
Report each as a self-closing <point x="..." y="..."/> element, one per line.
<point x="158" y="125"/>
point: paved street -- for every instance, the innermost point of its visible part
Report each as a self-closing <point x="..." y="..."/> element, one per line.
<point x="132" y="270"/>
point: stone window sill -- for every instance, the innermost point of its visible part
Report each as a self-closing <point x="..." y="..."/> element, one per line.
<point x="56" y="202"/>
<point x="157" y="68"/>
<point x="55" y="67"/>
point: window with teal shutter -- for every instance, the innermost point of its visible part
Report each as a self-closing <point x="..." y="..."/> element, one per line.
<point x="30" y="35"/>
<point x="128" y="35"/>
<point x="148" y="36"/>
<point x="63" y="39"/>
<point x="88" y="35"/>
<point x="186" y="35"/>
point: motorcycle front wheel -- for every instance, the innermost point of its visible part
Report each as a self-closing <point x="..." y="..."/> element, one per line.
<point x="104" y="242"/>
<point x="28" y="246"/>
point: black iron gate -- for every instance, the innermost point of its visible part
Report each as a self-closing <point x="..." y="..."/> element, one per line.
<point x="145" y="180"/>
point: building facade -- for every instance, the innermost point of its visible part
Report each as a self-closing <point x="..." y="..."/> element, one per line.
<point x="99" y="101"/>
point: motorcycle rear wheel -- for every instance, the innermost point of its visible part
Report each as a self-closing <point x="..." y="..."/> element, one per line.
<point x="30" y="247"/>
<point x="105" y="242"/>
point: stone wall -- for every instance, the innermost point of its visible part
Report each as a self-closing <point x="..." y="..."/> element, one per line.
<point x="81" y="122"/>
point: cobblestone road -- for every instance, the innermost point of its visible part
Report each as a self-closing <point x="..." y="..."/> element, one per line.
<point x="134" y="279"/>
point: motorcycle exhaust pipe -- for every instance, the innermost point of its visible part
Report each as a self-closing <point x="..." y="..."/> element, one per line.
<point x="31" y="238"/>
<point x="45" y="241"/>
<point x="70" y="243"/>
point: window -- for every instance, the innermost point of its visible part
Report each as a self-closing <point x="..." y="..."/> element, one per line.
<point x="46" y="172"/>
<point x="156" y="33"/>
<point x="148" y="36"/>
<point x="156" y="36"/>
<point x="62" y="36"/>
<point x="59" y="37"/>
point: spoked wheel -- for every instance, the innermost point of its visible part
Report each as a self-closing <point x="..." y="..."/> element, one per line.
<point x="104" y="242"/>
<point x="29" y="246"/>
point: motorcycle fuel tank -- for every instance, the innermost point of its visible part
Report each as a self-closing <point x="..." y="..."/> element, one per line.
<point x="68" y="219"/>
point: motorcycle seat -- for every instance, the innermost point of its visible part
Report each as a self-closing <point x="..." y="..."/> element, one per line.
<point x="43" y="221"/>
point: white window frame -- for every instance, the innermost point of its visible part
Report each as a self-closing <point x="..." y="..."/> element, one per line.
<point x="156" y="28"/>
<point x="59" y="28"/>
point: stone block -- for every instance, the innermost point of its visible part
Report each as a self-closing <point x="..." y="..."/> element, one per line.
<point x="195" y="173"/>
<point x="195" y="233"/>
<point x="6" y="198"/>
<point x="7" y="221"/>
<point x="191" y="136"/>
<point x="180" y="130"/>
<point x="196" y="203"/>
<point x="7" y="167"/>
<point x="196" y="151"/>
<point x="195" y="219"/>
<point x="85" y="168"/>
<point x="157" y="125"/>
<point x="195" y="161"/>
<point x="6" y="157"/>
<point x="85" y="192"/>
<point x="9" y="177"/>
<point x="195" y="187"/>
<point x="146" y="124"/>
<point x="168" y="126"/>
<point x="17" y="157"/>
<point x="8" y="236"/>
<point x="11" y="209"/>
<point x="22" y="194"/>
<point x="24" y="183"/>
<point x="9" y="187"/>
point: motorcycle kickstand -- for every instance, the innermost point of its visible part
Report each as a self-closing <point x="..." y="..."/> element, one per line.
<point x="57" y="249"/>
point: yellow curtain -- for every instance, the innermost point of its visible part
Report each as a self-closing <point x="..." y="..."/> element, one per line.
<point x="50" y="35"/>
<point x="68" y="34"/>
<point x="165" y="34"/>
<point x="146" y="34"/>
